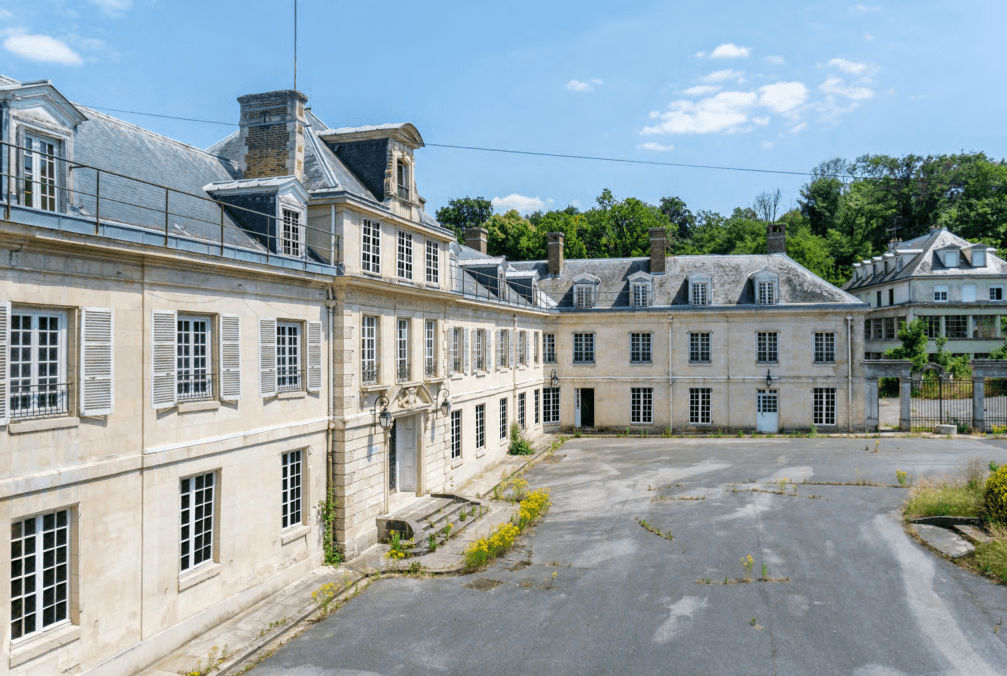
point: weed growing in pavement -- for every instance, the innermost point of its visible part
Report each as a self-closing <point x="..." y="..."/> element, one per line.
<point x="747" y="562"/>
<point x="214" y="658"/>
<point x="432" y="542"/>
<point x="397" y="547"/>
<point x="765" y="574"/>
<point x="667" y="432"/>
<point x="901" y="476"/>
<point x="485" y="549"/>
<point x="877" y="445"/>
<point x="960" y="495"/>
<point x="327" y="515"/>
<point x="656" y="531"/>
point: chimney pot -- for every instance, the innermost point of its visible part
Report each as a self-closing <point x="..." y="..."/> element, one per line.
<point x="658" y="249"/>
<point x="555" y="244"/>
<point x="272" y="134"/>
<point x="476" y="238"/>
<point x="776" y="238"/>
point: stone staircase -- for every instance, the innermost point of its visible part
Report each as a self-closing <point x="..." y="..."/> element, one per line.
<point x="429" y="516"/>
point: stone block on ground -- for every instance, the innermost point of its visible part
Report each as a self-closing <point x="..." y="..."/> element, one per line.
<point x="945" y="541"/>
<point x="973" y="533"/>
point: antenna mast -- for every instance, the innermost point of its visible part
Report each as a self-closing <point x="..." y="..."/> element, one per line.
<point x="295" y="45"/>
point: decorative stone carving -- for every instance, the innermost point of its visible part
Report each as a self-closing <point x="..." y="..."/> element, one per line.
<point x="343" y="403"/>
<point x="342" y="356"/>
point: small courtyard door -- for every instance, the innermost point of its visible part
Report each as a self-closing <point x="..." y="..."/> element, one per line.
<point x="767" y="411"/>
<point x="583" y="415"/>
<point x="402" y="455"/>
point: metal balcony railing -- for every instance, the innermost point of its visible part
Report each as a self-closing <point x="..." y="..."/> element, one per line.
<point x="402" y="372"/>
<point x="403" y="192"/>
<point x="430" y="368"/>
<point x="194" y="386"/>
<point x="369" y="375"/>
<point x="38" y="400"/>
<point x="289" y="380"/>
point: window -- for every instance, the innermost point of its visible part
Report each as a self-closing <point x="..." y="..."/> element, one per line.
<point x="889" y="328"/>
<point x="984" y="326"/>
<point x="950" y="259"/>
<point x="824" y="406"/>
<point x="40" y="572"/>
<point x="430" y="349"/>
<point x="480" y="350"/>
<point x="457" y="338"/>
<point x="535" y="338"/>
<point x="699" y="348"/>
<point x="877" y="299"/>
<point x="549" y="347"/>
<point x="891" y="296"/>
<point x="433" y="262"/>
<point x="402" y="350"/>
<point x="288" y="356"/>
<point x="38" y="173"/>
<point x="583" y="348"/>
<point x="940" y="294"/>
<point x="402" y="179"/>
<point x="641" y="294"/>
<point x="290" y="235"/>
<point x="194" y="379"/>
<point x="898" y="265"/>
<point x="197" y="520"/>
<point x="38" y="363"/>
<point x="825" y="348"/>
<point x="699" y="406"/>
<point x="535" y="408"/>
<point x="996" y="293"/>
<point x="405" y="256"/>
<point x="641" y="406"/>
<point x="369" y="350"/>
<point x="700" y="293"/>
<point x="867" y="329"/>
<point x="956" y="326"/>
<point x="522" y="348"/>
<point x="978" y="259"/>
<point x="480" y="425"/>
<point x="503" y="347"/>
<point x="550" y="405"/>
<point x="767" y="347"/>
<point x="583" y="295"/>
<point x="932" y="325"/>
<point x="968" y="293"/>
<point x="503" y="418"/>
<point x="639" y="348"/>
<point x="290" y="489"/>
<point x="371" y="247"/>
<point x="766" y="292"/>
<point x="456" y="435"/>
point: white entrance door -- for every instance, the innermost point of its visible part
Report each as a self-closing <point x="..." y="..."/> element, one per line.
<point x="405" y="453"/>
<point x="576" y="408"/>
<point x="767" y="411"/>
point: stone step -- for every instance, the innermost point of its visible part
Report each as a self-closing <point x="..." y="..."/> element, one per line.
<point x="973" y="533"/>
<point x="427" y="517"/>
<point x="944" y="540"/>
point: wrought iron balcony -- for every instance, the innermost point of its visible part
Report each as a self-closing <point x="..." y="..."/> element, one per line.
<point x="194" y="386"/>
<point x="288" y="380"/>
<point x="38" y="400"/>
<point x="402" y="372"/>
<point x="369" y="375"/>
<point x="430" y="368"/>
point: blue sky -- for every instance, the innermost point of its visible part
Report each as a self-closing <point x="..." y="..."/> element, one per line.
<point x="780" y="85"/>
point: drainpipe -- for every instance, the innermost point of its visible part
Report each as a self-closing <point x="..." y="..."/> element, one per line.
<point x="671" y="319"/>
<point x="849" y="373"/>
<point x="513" y="371"/>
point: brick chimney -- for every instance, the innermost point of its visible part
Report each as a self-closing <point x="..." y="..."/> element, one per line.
<point x="272" y="134"/>
<point x="658" y="248"/>
<point x="776" y="238"/>
<point x="555" y="253"/>
<point x="475" y="238"/>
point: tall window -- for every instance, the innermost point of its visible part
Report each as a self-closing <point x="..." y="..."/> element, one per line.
<point x="402" y="350"/>
<point x="503" y="418"/>
<point x="824" y="406"/>
<point x="290" y="489"/>
<point x="639" y="348"/>
<point x="956" y="326"/>
<point x="521" y="418"/>
<point x="700" y="293"/>
<point x="699" y="406"/>
<point x="405" y="256"/>
<point x="40" y="572"/>
<point x="430" y="348"/>
<point x="699" y="348"/>
<point x="197" y="520"/>
<point x="371" y="247"/>
<point x="456" y="349"/>
<point x="38" y="173"/>
<point x="825" y="348"/>
<point x="535" y="337"/>
<point x="583" y="348"/>
<point x="193" y="373"/>
<point x="641" y="405"/>
<point x="767" y="292"/>
<point x="456" y="434"/>
<point x="535" y="408"/>
<point x="480" y="426"/>
<point x="402" y="179"/>
<point x="550" y="405"/>
<point x="38" y="381"/>
<point x="583" y="295"/>
<point x="480" y="350"/>
<point x="641" y="294"/>
<point x="549" y="347"/>
<point x="767" y="344"/>
<point x="288" y="356"/>
<point x="932" y="325"/>
<point x="290" y="235"/>
<point x="369" y="350"/>
<point x="522" y="348"/>
<point x="433" y="262"/>
<point x="996" y="293"/>
<point x="503" y="347"/>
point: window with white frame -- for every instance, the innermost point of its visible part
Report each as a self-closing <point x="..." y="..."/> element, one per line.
<point x="40" y="573"/>
<point x="288" y="356"/>
<point x="700" y="292"/>
<point x="503" y="348"/>
<point x="402" y="370"/>
<point x="291" y="485"/>
<point x="641" y="296"/>
<point x="522" y="348"/>
<point x="456" y="435"/>
<point x="522" y="410"/>
<point x="430" y="348"/>
<point x="402" y="179"/>
<point x="583" y="295"/>
<point x="290" y="233"/>
<point x="824" y="406"/>
<point x="405" y="256"/>
<point x="194" y="375"/>
<point x="639" y="348"/>
<point x="197" y="520"/>
<point x="535" y="338"/>
<point x="549" y="347"/>
<point x="433" y="262"/>
<point x="480" y="426"/>
<point x="38" y="363"/>
<point x="825" y="347"/>
<point x="370" y="250"/>
<point x="699" y="406"/>
<point x="550" y="405"/>
<point x="699" y="348"/>
<point x="767" y="344"/>
<point x="38" y="172"/>
<point x="369" y="350"/>
<point x="932" y="325"/>
<point x="457" y="339"/>
<point x="940" y="294"/>
<point x="978" y="258"/>
<point x="950" y="258"/>
<point x="996" y="293"/>
<point x="583" y="348"/>
<point x="641" y="405"/>
<point x="503" y="417"/>
<point x="480" y="350"/>
<point x="766" y="292"/>
<point x="537" y="396"/>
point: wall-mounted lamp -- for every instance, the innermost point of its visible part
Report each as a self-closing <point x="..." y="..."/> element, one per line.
<point x="554" y="379"/>
<point x="385" y="417"/>
<point x="769" y="378"/>
<point x="445" y="401"/>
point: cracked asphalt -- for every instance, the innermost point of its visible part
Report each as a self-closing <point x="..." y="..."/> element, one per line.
<point x="589" y="591"/>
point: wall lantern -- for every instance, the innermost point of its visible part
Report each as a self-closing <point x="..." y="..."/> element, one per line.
<point x="445" y="401"/>
<point x="554" y="379"/>
<point x="385" y="417"/>
<point x="769" y="378"/>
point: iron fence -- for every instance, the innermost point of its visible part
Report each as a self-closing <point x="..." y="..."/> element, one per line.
<point x="995" y="404"/>
<point x="940" y="401"/>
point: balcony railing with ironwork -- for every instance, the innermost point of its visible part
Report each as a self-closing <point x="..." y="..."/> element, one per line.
<point x="288" y="380"/>
<point x="403" y="192"/>
<point x="369" y="375"/>
<point x="194" y="386"/>
<point x="38" y="400"/>
<point x="430" y="368"/>
<point x="402" y="372"/>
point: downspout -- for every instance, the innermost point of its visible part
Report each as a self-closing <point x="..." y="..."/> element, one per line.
<point x="330" y="303"/>
<point x="513" y="347"/>
<point x="671" y="380"/>
<point x="849" y="373"/>
<point x="332" y="235"/>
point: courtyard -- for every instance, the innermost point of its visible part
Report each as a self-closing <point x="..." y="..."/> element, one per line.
<point x="589" y="590"/>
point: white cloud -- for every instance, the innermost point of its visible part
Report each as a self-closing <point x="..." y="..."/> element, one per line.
<point x="112" y="7"/>
<point x="866" y="9"/>
<point x="798" y="128"/>
<point x="724" y="75"/>
<point x="836" y="86"/>
<point x="851" y="67"/>
<point x="583" y="86"/>
<point x="729" y="50"/>
<point x="761" y="121"/>
<point x="521" y="203"/>
<point x="774" y="59"/>
<point x="726" y="111"/>
<point x="701" y="90"/>
<point x="657" y="147"/>
<point x="783" y="97"/>
<point x="42" y="48"/>
<point x="869" y="37"/>
<point x="6" y="15"/>
<point x="699" y="55"/>
<point x="767" y="144"/>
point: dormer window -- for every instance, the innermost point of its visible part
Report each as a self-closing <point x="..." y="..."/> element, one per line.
<point x="291" y="236"/>
<point x="402" y="178"/>
<point x="766" y="287"/>
<point x="979" y="259"/>
<point x="583" y="295"/>
<point x="38" y="172"/>
<point x="898" y="265"/>
<point x="641" y="294"/>
<point x="950" y="258"/>
<point x="699" y="290"/>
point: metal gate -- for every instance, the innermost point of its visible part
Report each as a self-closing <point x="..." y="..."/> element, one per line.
<point x="939" y="400"/>
<point x="995" y="404"/>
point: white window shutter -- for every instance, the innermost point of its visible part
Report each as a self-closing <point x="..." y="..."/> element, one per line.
<point x="314" y="356"/>
<point x="230" y="358"/>
<point x="465" y="350"/>
<point x="96" y="361"/>
<point x="163" y="384"/>
<point x="512" y="359"/>
<point x="4" y="353"/>
<point x="267" y="357"/>
<point x="488" y="360"/>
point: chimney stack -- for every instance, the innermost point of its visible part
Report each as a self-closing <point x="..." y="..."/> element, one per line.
<point x="658" y="248"/>
<point x="776" y="238"/>
<point x="475" y="238"/>
<point x="272" y="134"/>
<point x="555" y="253"/>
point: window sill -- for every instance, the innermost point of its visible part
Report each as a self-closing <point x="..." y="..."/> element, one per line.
<point x="46" y="641"/>
<point x="193" y="406"/>
<point x="481" y="453"/>
<point x="583" y="363"/>
<point x="294" y="533"/>
<point x="457" y="376"/>
<point x="641" y="363"/>
<point x="372" y="387"/>
<point x="455" y="464"/>
<point x="368" y="273"/>
<point x="700" y="363"/>
<point x="296" y="394"/>
<point x="434" y="379"/>
<point x="767" y="363"/>
<point x="823" y="363"/>
<point x="201" y="573"/>
<point x="42" y="424"/>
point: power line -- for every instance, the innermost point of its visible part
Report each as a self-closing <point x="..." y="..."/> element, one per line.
<point x="167" y="117"/>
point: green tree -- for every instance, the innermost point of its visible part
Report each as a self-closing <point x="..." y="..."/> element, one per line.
<point x="682" y="220"/>
<point x="621" y="228"/>
<point x="914" y="344"/>
<point x="465" y="212"/>
<point x="512" y="236"/>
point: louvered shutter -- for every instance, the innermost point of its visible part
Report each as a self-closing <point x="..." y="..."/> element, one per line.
<point x="4" y="353"/>
<point x="96" y="357"/>
<point x="465" y="350"/>
<point x="489" y="350"/>
<point x="267" y="357"/>
<point x="230" y="358"/>
<point x="512" y="362"/>
<point x="314" y="356"/>
<point x="164" y="388"/>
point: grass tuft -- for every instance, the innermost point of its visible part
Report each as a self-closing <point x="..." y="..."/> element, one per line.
<point x="944" y="497"/>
